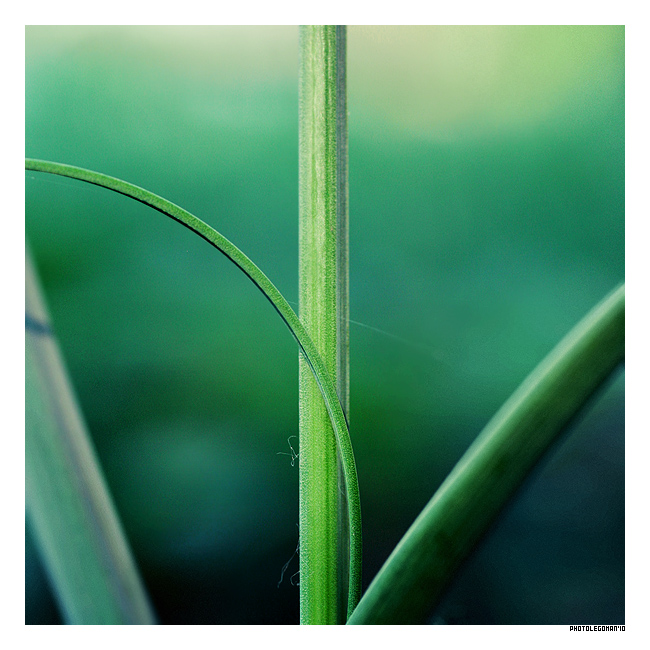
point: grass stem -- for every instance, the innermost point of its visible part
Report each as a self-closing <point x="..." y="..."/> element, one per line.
<point x="324" y="310"/>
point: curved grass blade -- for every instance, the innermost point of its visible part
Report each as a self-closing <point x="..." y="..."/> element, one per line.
<point x="323" y="379"/>
<point x="413" y="579"/>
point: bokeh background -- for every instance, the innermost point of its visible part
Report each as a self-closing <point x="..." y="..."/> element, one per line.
<point x="487" y="216"/>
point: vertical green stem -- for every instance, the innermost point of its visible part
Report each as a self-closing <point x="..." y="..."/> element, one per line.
<point x="75" y="524"/>
<point x="323" y="292"/>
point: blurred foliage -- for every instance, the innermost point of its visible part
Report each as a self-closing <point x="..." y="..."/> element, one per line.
<point x="487" y="216"/>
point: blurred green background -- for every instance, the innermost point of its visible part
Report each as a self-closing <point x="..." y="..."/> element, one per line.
<point x="487" y="216"/>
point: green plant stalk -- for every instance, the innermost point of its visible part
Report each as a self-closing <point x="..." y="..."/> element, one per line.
<point x="279" y="303"/>
<point x="324" y="310"/>
<point x="413" y="579"/>
<point x="323" y="294"/>
<point x="73" y="519"/>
